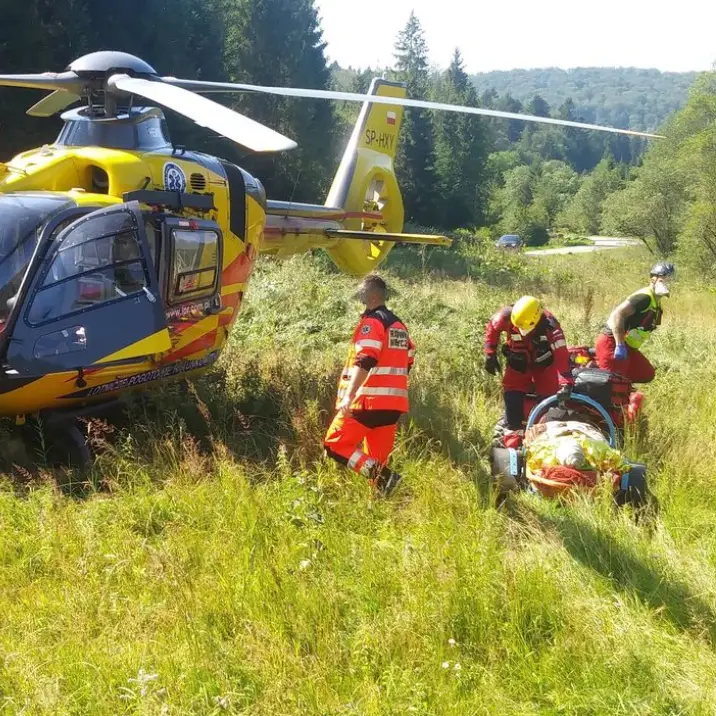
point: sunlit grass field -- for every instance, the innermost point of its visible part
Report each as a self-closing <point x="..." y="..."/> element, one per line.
<point x="215" y="563"/>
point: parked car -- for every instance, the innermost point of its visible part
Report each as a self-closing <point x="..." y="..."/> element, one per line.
<point x="509" y="241"/>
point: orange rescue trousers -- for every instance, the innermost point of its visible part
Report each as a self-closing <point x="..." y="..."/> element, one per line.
<point x="363" y="441"/>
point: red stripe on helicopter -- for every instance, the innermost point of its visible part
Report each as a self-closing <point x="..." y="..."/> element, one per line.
<point x="239" y="270"/>
<point x="327" y="217"/>
<point x="233" y="301"/>
<point x="204" y="342"/>
<point x="278" y="231"/>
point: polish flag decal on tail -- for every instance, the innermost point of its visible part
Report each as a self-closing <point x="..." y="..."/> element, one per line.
<point x="391" y="117"/>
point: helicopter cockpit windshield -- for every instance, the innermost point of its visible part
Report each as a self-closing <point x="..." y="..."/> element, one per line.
<point x="22" y="218"/>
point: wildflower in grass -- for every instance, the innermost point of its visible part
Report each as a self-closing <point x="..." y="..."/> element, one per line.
<point x="143" y="680"/>
<point x="222" y="702"/>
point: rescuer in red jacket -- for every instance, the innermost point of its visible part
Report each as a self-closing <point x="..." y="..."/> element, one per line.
<point x="373" y="390"/>
<point x="536" y="352"/>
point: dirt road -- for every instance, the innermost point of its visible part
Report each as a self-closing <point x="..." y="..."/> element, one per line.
<point x="599" y="243"/>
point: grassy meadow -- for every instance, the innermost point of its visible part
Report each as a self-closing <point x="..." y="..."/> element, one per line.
<point x="215" y="563"/>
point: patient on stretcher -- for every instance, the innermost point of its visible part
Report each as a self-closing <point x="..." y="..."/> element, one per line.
<point x="561" y="455"/>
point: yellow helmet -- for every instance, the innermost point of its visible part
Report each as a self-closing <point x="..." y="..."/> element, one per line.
<point x="526" y="313"/>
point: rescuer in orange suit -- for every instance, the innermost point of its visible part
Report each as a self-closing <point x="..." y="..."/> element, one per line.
<point x="373" y="390"/>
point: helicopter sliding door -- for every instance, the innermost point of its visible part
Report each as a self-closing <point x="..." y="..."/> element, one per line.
<point x="93" y="300"/>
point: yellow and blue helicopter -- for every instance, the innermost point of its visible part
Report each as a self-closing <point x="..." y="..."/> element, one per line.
<point x="124" y="260"/>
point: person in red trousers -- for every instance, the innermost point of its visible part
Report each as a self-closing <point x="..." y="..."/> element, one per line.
<point x="630" y="325"/>
<point x="537" y="357"/>
<point x="373" y="390"/>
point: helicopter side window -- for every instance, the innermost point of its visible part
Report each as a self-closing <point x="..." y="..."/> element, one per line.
<point x="68" y="340"/>
<point x="91" y="266"/>
<point x="195" y="265"/>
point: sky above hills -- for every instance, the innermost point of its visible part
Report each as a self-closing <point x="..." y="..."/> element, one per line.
<point x="527" y="33"/>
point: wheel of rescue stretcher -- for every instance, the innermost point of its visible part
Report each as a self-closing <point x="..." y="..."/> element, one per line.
<point x="506" y="467"/>
<point x="635" y="489"/>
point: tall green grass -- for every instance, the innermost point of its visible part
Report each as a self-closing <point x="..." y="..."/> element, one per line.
<point x="216" y="563"/>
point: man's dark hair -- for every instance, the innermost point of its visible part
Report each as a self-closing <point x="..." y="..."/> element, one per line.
<point x="373" y="282"/>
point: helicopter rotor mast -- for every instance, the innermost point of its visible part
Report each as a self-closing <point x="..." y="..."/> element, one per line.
<point x="119" y="76"/>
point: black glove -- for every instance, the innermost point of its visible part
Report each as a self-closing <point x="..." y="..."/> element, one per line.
<point x="492" y="364"/>
<point x="564" y="393"/>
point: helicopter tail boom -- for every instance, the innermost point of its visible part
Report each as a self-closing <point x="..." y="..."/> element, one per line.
<point x="362" y="218"/>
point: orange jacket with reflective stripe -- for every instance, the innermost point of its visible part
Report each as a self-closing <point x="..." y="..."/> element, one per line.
<point x="382" y="346"/>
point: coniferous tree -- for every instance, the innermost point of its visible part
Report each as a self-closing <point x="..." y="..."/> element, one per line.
<point x="538" y="107"/>
<point x="279" y="42"/>
<point x="35" y="36"/>
<point x="415" y="164"/>
<point x="461" y="151"/>
<point x="507" y="103"/>
<point x="46" y="36"/>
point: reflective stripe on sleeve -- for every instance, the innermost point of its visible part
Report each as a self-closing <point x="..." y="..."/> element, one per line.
<point x="397" y="392"/>
<point x="378" y="345"/>
<point x="559" y="344"/>
<point x="355" y="457"/>
<point x="389" y="371"/>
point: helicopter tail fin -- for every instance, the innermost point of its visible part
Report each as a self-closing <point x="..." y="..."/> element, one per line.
<point x="365" y="183"/>
<point x="365" y="186"/>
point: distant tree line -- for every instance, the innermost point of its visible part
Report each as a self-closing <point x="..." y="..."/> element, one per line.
<point x="454" y="170"/>
<point x="463" y="171"/>
<point x="624" y="97"/>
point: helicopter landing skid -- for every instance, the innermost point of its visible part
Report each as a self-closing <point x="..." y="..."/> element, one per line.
<point x="60" y="436"/>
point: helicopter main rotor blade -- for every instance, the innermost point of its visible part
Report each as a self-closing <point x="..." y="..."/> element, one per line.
<point x="198" y="86"/>
<point x="53" y="103"/>
<point x="45" y="81"/>
<point x="206" y="113"/>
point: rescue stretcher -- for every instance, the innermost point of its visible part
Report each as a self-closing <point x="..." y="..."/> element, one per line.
<point x="569" y="444"/>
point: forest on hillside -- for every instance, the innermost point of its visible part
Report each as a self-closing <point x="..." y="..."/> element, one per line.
<point x="625" y="97"/>
<point x="486" y="176"/>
